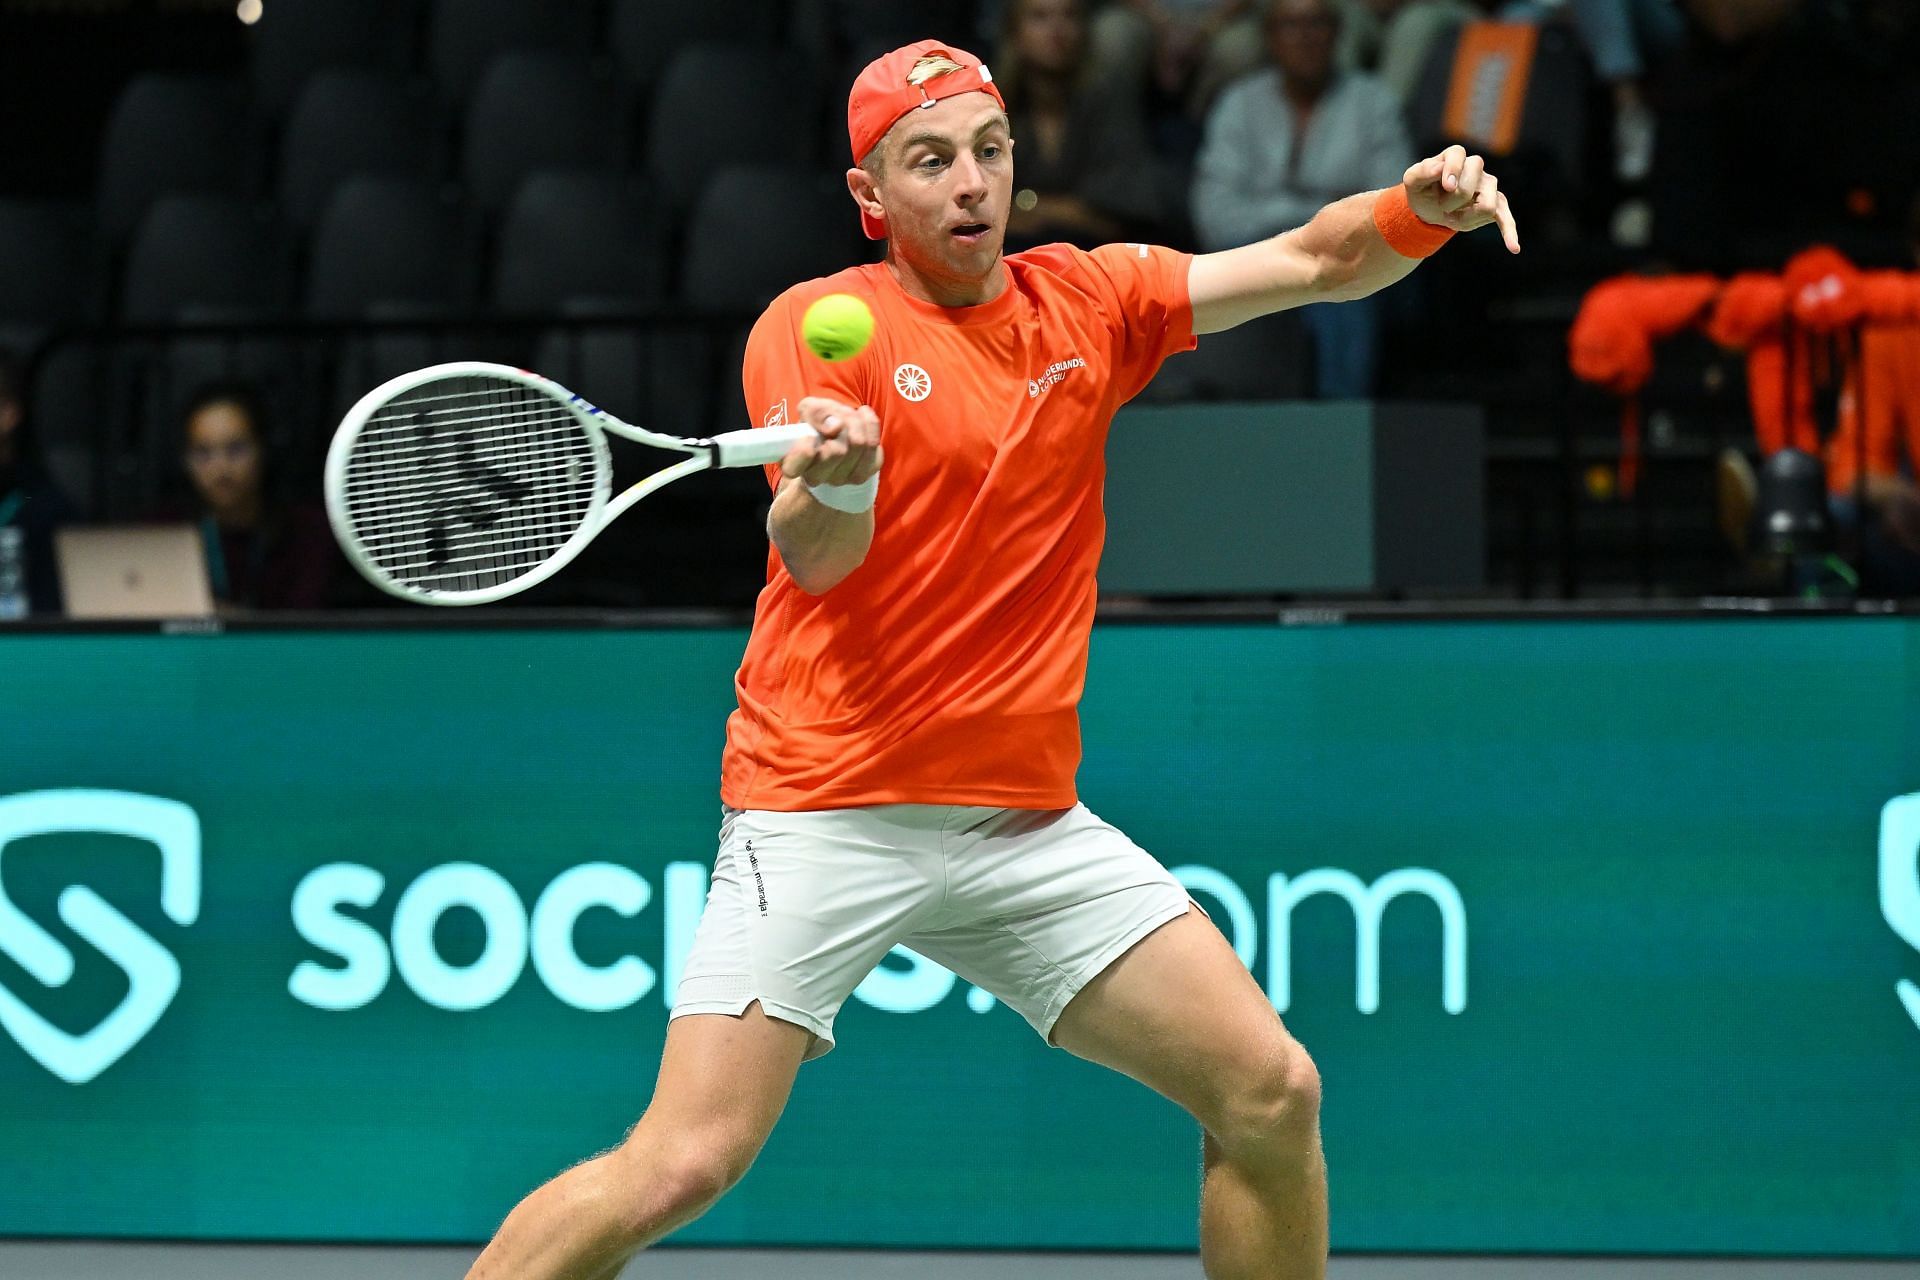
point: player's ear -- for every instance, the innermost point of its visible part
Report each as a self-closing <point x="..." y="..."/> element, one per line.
<point x="865" y="193"/>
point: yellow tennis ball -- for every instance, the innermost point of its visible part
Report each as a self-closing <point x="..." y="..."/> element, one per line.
<point x="837" y="327"/>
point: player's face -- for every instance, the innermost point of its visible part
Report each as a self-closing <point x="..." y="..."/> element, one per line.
<point x="946" y="187"/>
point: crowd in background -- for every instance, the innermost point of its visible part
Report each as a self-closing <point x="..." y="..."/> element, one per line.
<point x="1725" y="131"/>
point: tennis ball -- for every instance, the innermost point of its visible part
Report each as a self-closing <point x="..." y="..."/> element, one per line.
<point x="837" y="327"/>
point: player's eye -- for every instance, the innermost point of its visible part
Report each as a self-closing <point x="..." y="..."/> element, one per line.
<point x="991" y="151"/>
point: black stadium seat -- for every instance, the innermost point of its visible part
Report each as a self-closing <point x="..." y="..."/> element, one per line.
<point x="568" y="235"/>
<point x="758" y="229"/>
<point x="463" y="36"/>
<point x="387" y="246"/>
<point x="169" y="134"/>
<point x="205" y="257"/>
<point x="644" y="34"/>
<point x="297" y="39"/>
<point x="536" y="111"/>
<point x="352" y="122"/>
<point x="721" y="104"/>
<point x="43" y="255"/>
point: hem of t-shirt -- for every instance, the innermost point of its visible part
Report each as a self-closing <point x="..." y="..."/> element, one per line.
<point x="861" y="797"/>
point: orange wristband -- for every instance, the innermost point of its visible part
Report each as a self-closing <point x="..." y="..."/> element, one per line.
<point x="1410" y="235"/>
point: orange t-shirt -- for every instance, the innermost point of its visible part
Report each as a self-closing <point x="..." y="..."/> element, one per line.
<point x="947" y="668"/>
<point x="1890" y="369"/>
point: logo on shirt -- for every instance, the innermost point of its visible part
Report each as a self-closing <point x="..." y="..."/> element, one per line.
<point x="1055" y="371"/>
<point x="776" y="415"/>
<point x="912" y="382"/>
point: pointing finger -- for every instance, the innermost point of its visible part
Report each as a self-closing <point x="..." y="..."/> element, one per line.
<point x="1509" y="229"/>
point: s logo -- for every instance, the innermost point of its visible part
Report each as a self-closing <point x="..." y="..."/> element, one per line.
<point x="1900" y="882"/>
<point x="153" y="974"/>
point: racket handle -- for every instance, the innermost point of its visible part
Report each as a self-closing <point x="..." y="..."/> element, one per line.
<point x="757" y="446"/>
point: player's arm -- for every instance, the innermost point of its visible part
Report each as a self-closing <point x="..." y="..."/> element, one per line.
<point x="821" y="544"/>
<point x="1344" y="252"/>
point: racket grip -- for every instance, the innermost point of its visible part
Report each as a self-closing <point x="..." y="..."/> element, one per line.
<point x="757" y="446"/>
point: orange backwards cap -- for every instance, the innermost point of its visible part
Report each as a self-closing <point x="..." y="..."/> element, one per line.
<point x="882" y="94"/>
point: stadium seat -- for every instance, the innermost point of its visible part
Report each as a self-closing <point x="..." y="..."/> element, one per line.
<point x="577" y="235"/>
<point x="168" y="134"/>
<point x="68" y="404"/>
<point x="297" y="39"/>
<point x="759" y="229"/>
<point x="463" y="36"/>
<point x="383" y="245"/>
<point x="1265" y="359"/>
<point x="644" y="34"/>
<point x="350" y="122"/>
<point x="43" y="255"/>
<point x="535" y="111"/>
<point x="831" y="30"/>
<point x="197" y="256"/>
<point x="721" y="104"/>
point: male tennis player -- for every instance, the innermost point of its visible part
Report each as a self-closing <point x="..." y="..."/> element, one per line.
<point x="901" y="766"/>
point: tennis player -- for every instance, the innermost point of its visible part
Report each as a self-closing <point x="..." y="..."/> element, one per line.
<point x="901" y="765"/>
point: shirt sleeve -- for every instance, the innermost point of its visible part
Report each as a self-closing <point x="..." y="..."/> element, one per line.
<point x="778" y="371"/>
<point x="1152" y="310"/>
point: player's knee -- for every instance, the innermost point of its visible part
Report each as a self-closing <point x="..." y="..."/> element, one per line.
<point x="1273" y="1111"/>
<point x="676" y="1178"/>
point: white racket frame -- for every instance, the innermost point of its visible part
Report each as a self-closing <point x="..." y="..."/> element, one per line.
<point x="754" y="446"/>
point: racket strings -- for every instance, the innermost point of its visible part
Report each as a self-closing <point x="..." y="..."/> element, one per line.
<point x="468" y="483"/>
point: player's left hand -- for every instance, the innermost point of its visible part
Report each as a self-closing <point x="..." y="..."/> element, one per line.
<point x="1454" y="189"/>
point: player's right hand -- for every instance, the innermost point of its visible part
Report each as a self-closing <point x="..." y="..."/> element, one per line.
<point x="848" y="451"/>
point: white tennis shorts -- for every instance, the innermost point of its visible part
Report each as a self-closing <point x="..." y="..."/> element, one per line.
<point x="1027" y="904"/>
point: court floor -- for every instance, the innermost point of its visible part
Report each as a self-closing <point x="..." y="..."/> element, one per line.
<point x="140" y="1261"/>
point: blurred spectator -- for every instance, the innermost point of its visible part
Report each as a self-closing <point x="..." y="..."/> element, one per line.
<point x="29" y="500"/>
<point x="1885" y="392"/>
<point x="1284" y="142"/>
<point x="263" y="551"/>
<point x="1183" y="50"/>
<point x="1624" y="38"/>
<point x="1392" y="38"/>
<point x="1084" y="169"/>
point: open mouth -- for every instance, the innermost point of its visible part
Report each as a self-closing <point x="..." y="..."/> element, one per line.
<point x="971" y="233"/>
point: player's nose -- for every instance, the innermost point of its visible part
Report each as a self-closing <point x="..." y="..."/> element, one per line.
<point x="970" y="180"/>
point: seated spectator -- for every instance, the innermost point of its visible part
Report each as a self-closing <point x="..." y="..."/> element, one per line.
<point x="263" y="552"/>
<point x="29" y="500"/>
<point x="1186" y="51"/>
<point x="1084" y="171"/>
<point x="1284" y="142"/>
<point x="1392" y="38"/>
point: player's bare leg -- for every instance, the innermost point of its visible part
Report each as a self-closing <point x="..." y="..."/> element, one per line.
<point x="723" y="1083"/>
<point x="1179" y="1013"/>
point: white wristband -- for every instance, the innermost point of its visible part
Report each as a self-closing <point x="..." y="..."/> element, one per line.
<point x="850" y="498"/>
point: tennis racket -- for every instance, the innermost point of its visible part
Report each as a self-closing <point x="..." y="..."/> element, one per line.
<point x="465" y="483"/>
